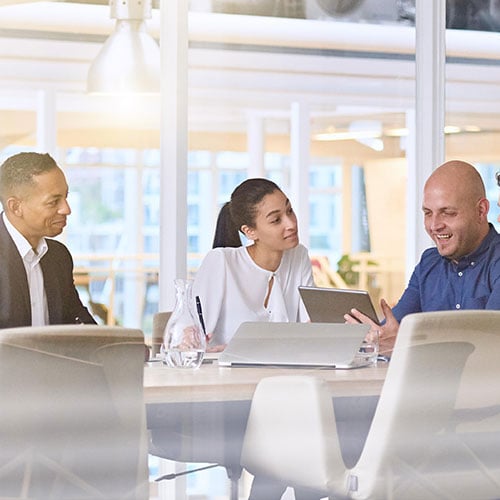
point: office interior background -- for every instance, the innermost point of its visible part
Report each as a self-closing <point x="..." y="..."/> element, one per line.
<point x="345" y="68"/>
<point x="265" y="78"/>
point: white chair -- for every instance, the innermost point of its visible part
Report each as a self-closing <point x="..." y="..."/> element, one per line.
<point x="433" y="433"/>
<point x="160" y="320"/>
<point x="72" y="419"/>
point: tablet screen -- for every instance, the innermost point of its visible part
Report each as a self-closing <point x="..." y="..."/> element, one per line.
<point x="328" y="305"/>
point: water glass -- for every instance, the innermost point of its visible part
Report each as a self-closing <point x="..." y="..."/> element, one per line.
<point x="370" y="348"/>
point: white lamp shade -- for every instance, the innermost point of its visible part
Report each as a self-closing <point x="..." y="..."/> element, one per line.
<point x="129" y="62"/>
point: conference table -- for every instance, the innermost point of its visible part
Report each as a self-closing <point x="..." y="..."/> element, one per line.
<point x="200" y="415"/>
<point x="211" y="382"/>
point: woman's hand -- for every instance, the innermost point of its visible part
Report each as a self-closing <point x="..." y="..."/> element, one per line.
<point x="190" y="339"/>
<point x="214" y="348"/>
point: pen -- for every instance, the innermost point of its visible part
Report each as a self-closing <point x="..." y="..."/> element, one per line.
<point x="200" y="314"/>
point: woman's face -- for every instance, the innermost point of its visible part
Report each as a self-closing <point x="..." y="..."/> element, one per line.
<point x="275" y="223"/>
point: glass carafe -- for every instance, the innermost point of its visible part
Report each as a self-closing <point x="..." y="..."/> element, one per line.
<point x="184" y="342"/>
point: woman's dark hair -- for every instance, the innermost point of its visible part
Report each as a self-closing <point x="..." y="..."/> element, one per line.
<point x="241" y="211"/>
<point x="226" y="233"/>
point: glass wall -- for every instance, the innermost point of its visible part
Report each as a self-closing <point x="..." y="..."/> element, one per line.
<point x="357" y="95"/>
<point x="113" y="231"/>
<point x="472" y="90"/>
<point x="356" y="83"/>
<point x="325" y="208"/>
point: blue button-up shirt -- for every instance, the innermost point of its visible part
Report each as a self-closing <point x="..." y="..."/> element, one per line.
<point x="438" y="284"/>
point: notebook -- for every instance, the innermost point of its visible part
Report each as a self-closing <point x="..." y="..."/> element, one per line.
<point x="328" y="305"/>
<point x="295" y="344"/>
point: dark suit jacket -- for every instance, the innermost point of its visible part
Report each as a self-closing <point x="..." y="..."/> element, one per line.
<point x="57" y="266"/>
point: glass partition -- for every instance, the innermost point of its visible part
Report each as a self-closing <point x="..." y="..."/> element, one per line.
<point x="349" y="64"/>
<point x="473" y="90"/>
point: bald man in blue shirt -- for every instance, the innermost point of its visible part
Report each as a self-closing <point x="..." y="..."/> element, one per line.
<point x="462" y="270"/>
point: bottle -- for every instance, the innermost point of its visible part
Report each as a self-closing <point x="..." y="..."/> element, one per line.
<point x="184" y="342"/>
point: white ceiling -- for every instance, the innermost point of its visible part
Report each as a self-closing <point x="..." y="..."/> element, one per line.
<point x="246" y="65"/>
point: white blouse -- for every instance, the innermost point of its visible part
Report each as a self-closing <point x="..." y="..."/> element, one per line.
<point x="232" y="289"/>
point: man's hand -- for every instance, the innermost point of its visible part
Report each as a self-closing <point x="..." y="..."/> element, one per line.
<point x="387" y="332"/>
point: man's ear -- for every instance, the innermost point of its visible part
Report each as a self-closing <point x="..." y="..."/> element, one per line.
<point x="249" y="232"/>
<point x="484" y="206"/>
<point x="14" y="206"/>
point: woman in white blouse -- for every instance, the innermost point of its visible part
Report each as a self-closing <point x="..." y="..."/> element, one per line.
<point x="258" y="282"/>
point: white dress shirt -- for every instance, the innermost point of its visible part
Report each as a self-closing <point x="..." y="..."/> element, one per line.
<point x="31" y="260"/>
<point x="232" y="289"/>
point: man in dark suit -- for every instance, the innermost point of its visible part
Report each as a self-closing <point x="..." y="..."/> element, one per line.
<point x="36" y="273"/>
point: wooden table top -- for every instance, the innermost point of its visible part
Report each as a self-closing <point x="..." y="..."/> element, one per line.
<point x="212" y="382"/>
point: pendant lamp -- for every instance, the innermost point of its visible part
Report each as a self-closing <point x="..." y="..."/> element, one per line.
<point x="129" y="61"/>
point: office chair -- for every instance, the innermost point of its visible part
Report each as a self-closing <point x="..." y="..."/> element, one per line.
<point x="433" y="432"/>
<point x="72" y="423"/>
<point x="160" y="320"/>
<point x="197" y="432"/>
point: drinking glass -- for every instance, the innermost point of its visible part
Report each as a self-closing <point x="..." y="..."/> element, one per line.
<point x="370" y="348"/>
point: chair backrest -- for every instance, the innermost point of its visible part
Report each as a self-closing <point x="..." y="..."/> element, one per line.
<point x="441" y="360"/>
<point x="160" y="320"/>
<point x="440" y="364"/>
<point x="291" y="432"/>
<point x="73" y="411"/>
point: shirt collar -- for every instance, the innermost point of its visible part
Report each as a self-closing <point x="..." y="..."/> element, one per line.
<point x="467" y="260"/>
<point x="22" y="244"/>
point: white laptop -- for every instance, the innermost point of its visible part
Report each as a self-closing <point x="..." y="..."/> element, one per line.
<point x="327" y="345"/>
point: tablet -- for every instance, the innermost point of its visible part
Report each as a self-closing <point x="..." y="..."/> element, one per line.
<point x="328" y="305"/>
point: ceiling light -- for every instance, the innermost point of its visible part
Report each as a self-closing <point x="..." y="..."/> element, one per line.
<point x="346" y="136"/>
<point x="359" y="130"/>
<point x="397" y="132"/>
<point x="472" y="128"/>
<point x="129" y="61"/>
<point x="452" y="129"/>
